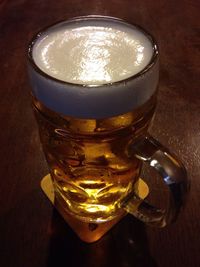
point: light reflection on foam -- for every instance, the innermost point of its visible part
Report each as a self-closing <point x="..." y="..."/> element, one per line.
<point x="92" y="55"/>
<point x="44" y="55"/>
<point x="95" y="58"/>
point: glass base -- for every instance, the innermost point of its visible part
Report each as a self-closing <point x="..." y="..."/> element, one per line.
<point x="88" y="232"/>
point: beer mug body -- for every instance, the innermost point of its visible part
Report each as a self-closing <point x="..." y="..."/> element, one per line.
<point x="88" y="159"/>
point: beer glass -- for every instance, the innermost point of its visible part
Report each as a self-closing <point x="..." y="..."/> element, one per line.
<point x="95" y="139"/>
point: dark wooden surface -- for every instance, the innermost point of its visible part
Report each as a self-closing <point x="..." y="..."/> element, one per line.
<point x="31" y="232"/>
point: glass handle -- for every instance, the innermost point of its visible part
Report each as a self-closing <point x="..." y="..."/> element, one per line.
<point x="171" y="171"/>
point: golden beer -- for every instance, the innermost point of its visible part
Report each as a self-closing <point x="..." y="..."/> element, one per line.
<point x="89" y="161"/>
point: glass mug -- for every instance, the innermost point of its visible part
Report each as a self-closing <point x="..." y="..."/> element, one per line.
<point x="95" y="139"/>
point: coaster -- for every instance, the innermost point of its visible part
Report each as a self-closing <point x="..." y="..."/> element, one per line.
<point x="89" y="232"/>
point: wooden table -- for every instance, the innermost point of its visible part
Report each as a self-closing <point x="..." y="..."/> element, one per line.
<point x="31" y="232"/>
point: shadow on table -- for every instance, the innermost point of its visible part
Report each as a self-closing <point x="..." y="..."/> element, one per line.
<point x="124" y="245"/>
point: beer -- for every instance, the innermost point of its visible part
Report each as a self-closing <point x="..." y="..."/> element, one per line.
<point x="92" y="99"/>
<point x="89" y="161"/>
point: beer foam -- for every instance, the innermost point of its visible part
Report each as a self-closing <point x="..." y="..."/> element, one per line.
<point x="92" y="54"/>
<point x="97" y="53"/>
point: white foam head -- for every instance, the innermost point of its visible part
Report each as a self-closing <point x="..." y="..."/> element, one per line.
<point x="81" y="62"/>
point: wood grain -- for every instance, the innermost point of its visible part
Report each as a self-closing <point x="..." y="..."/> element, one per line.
<point x="31" y="231"/>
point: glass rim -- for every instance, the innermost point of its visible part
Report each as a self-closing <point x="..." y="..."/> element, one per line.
<point x="36" y="36"/>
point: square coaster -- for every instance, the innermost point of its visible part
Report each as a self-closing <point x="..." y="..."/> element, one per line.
<point x="89" y="232"/>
